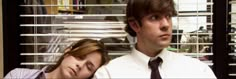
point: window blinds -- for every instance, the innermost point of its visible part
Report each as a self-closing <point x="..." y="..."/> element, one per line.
<point x="232" y="31"/>
<point x="48" y="26"/>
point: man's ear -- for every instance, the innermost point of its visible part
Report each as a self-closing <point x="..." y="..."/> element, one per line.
<point x="134" y="25"/>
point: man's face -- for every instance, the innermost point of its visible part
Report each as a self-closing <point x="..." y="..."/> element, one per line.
<point x="155" y="31"/>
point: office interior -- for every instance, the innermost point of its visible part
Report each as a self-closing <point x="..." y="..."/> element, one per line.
<point x="35" y="32"/>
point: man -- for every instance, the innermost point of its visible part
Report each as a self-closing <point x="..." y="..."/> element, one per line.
<point x="150" y="21"/>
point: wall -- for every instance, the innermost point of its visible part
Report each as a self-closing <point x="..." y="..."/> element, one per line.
<point x="1" y="43"/>
<point x="51" y="10"/>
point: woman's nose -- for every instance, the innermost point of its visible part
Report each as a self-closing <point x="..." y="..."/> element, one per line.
<point x="78" y="67"/>
<point x="80" y="64"/>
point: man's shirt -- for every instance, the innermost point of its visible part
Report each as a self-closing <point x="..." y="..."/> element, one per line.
<point x="135" y="65"/>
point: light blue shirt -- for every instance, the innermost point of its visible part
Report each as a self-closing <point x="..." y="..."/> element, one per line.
<point x="23" y="73"/>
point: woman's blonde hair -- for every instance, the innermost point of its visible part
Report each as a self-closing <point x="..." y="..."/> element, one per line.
<point x="81" y="49"/>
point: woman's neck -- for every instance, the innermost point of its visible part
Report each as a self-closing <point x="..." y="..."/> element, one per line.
<point x="53" y="75"/>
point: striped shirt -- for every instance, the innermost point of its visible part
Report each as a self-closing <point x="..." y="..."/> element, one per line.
<point x="23" y="73"/>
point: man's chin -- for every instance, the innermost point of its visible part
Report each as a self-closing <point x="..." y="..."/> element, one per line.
<point x="165" y="44"/>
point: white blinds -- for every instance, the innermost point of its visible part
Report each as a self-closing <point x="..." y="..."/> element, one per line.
<point x="48" y="26"/>
<point x="232" y="53"/>
<point x="194" y="25"/>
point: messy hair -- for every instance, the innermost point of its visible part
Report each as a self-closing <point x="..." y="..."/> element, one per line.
<point x="137" y="9"/>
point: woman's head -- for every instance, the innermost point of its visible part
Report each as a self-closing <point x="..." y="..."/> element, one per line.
<point x="81" y="59"/>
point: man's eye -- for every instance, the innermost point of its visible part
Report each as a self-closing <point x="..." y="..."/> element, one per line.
<point x="155" y="17"/>
<point x="168" y="16"/>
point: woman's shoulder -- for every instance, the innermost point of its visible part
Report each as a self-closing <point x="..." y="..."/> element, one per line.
<point x="22" y="73"/>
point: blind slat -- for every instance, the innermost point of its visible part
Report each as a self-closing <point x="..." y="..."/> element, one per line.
<point x="84" y="15"/>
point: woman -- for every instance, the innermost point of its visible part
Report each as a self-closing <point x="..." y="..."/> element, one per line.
<point x="80" y="60"/>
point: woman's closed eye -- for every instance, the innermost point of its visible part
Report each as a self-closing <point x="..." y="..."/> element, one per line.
<point x="90" y="66"/>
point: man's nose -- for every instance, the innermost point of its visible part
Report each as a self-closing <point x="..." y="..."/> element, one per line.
<point x="165" y="24"/>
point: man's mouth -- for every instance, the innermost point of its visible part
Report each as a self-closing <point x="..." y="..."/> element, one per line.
<point x="165" y="35"/>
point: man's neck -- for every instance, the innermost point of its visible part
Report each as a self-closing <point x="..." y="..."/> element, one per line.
<point x="148" y="51"/>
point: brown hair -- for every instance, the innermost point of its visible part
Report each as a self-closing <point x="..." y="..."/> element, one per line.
<point x="82" y="48"/>
<point x="137" y="9"/>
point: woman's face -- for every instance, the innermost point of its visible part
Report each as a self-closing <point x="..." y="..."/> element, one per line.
<point x="82" y="68"/>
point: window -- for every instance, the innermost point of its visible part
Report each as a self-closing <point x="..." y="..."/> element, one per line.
<point x="46" y="27"/>
<point x="49" y="26"/>
<point x="193" y="29"/>
<point x="232" y="31"/>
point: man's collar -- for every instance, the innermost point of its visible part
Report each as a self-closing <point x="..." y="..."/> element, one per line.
<point x="143" y="59"/>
